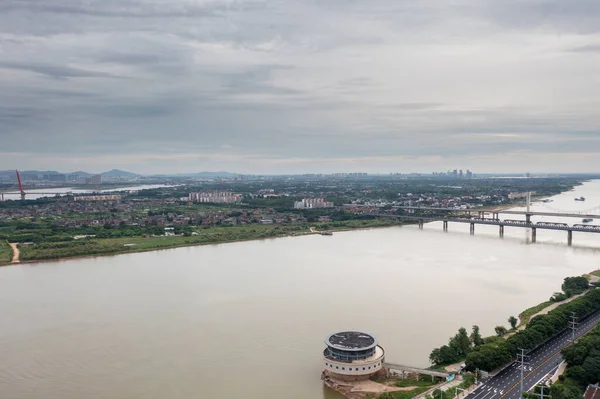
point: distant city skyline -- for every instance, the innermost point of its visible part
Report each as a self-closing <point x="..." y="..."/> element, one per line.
<point x="261" y="87"/>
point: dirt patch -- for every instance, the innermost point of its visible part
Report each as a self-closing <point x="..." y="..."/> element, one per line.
<point x="15" y="250"/>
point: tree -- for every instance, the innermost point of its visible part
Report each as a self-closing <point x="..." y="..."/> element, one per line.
<point x="461" y="343"/>
<point x="512" y="320"/>
<point x="500" y="331"/>
<point x="476" y="338"/>
<point x="575" y="285"/>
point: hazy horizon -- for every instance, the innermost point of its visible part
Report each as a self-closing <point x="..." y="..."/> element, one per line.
<point x="265" y="87"/>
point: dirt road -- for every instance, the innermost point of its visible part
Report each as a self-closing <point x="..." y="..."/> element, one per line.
<point x="15" y="252"/>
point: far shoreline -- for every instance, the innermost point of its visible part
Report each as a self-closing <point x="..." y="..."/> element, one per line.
<point x="91" y="256"/>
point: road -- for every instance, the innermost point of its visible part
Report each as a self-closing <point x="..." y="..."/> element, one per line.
<point x="540" y="362"/>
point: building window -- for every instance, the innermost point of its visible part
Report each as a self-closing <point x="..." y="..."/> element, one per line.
<point x="364" y="368"/>
<point x="336" y="367"/>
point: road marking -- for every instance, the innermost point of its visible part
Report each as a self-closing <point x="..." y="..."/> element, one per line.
<point x="544" y="362"/>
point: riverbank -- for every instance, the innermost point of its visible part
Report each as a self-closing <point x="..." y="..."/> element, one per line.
<point x="92" y="247"/>
<point x="6" y="253"/>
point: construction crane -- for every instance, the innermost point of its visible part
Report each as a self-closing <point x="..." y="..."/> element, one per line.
<point x="20" y="186"/>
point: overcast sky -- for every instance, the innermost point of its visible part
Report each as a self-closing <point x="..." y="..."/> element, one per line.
<point x="300" y="85"/>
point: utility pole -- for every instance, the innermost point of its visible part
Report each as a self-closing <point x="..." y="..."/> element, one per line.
<point x="573" y="325"/>
<point x="542" y="396"/>
<point x="521" y="359"/>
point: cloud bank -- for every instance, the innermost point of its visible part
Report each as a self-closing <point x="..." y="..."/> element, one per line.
<point x="300" y="86"/>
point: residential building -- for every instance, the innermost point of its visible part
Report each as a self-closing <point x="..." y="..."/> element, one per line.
<point x="310" y="203"/>
<point x="220" y="197"/>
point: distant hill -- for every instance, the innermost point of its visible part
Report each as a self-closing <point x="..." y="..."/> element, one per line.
<point x="118" y="173"/>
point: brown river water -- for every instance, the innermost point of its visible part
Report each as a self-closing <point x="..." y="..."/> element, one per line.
<point x="247" y="320"/>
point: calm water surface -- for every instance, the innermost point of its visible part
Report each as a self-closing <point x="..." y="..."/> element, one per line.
<point x="248" y="319"/>
<point x="35" y="193"/>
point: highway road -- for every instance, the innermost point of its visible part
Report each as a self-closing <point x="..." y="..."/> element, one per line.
<point x="539" y="362"/>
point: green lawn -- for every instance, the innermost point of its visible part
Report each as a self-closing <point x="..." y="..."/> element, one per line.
<point x="527" y="313"/>
<point x="5" y="253"/>
<point x="424" y="381"/>
<point x="404" y="394"/>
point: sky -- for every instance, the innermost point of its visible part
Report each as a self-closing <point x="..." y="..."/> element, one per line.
<point x="300" y="86"/>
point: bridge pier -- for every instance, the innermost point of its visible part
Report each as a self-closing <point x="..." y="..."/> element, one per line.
<point x="445" y="224"/>
<point x="495" y="216"/>
<point x="528" y="218"/>
<point x="421" y="224"/>
<point x="472" y="231"/>
<point x="569" y="237"/>
<point x="501" y="232"/>
<point x="533" y="234"/>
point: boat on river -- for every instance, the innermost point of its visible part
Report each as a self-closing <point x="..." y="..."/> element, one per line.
<point x="580" y="199"/>
<point x="587" y="220"/>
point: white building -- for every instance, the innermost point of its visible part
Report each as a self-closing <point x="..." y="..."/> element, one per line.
<point x="352" y="355"/>
<point x="219" y="197"/>
<point x="310" y="203"/>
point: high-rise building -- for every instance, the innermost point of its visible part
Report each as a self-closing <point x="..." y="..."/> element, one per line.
<point x="96" y="179"/>
<point x="310" y="203"/>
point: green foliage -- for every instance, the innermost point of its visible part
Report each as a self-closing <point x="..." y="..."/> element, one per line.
<point x="541" y="328"/>
<point x="512" y="320"/>
<point x="403" y="394"/>
<point x="566" y="389"/>
<point x="575" y="285"/>
<point x="113" y="240"/>
<point x="5" y="253"/>
<point x="457" y="348"/>
<point x="500" y="331"/>
<point x="476" y="339"/>
<point x="559" y="297"/>
<point x="527" y="313"/>
<point x="424" y="381"/>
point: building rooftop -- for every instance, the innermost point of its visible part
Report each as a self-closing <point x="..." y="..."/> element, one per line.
<point x="351" y="341"/>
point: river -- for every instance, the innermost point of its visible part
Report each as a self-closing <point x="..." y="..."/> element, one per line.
<point x="48" y="192"/>
<point x="247" y="320"/>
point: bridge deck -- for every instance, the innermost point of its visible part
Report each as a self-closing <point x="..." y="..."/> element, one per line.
<point x="435" y="373"/>
<point x="516" y="223"/>
<point x="507" y="212"/>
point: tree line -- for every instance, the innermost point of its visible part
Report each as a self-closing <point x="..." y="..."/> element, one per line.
<point x="541" y="328"/>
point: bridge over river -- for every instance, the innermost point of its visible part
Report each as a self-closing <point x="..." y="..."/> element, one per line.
<point x="585" y="228"/>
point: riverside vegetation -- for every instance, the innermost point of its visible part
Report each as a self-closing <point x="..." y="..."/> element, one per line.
<point x="50" y="249"/>
<point x="583" y="367"/>
<point x="493" y="352"/>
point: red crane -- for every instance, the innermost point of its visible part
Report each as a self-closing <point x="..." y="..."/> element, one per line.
<point x="20" y="185"/>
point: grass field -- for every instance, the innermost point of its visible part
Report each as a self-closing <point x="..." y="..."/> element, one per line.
<point x="527" y="313"/>
<point x="5" y="253"/>
<point x="208" y="235"/>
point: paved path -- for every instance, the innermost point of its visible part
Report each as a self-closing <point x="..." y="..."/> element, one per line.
<point x="15" y="249"/>
<point x="505" y="385"/>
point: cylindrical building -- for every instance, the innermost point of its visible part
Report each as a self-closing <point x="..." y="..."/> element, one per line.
<point x="352" y="355"/>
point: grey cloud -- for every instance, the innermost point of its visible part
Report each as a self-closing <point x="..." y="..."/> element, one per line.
<point x="55" y="71"/>
<point x="590" y="48"/>
<point x="126" y="8"/>
<point x="297" y="79"/>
